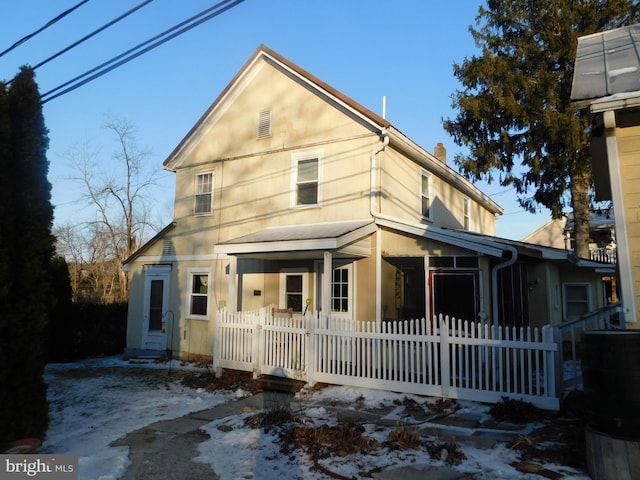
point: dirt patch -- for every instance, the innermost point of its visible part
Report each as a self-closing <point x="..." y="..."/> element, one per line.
<point x="229" y="380"/>
<point x="560" y="439"/>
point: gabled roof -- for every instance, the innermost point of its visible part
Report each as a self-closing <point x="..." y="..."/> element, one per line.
<point x="264" y="53"/>
<point x="147" y="244"/>
<point x="366" y="117"/>
<point x="607" y="65"/>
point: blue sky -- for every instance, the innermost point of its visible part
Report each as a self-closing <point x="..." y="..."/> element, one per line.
<point x="403" y="50"/>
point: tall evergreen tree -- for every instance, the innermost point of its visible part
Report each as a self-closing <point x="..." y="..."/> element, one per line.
<point x="515" y="114"/>
<point x="27" y="245"/>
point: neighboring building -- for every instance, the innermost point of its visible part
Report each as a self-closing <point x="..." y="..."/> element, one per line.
<point x="289" y="193"/>
<point x="606" y="81"/>
<point x="559" y="233"/>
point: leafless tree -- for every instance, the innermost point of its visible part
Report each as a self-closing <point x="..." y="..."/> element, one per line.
<point x="115" y="192"/>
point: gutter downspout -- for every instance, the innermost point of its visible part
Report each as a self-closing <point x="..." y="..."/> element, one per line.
<point x="494" y="282"/>
<point x="373" y="209"/>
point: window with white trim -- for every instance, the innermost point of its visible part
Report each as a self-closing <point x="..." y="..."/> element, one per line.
<point x="294" y="289"/>
<point x="466" y="213"/>
<point x="577" y="300"/>
<point x="203" y="199"/>
<point x="198" y="296"/>
<point x="306" y="175"/>
<point x="425" y="194"/>
<point x="340" y="291"/>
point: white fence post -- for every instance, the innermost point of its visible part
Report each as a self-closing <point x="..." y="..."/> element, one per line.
<point x="216" y="343"/>
<point x="445" y="365"/>
<point x="311" y="339"/>
<point x="552" y="389"/>
<point x="256" y="340"/>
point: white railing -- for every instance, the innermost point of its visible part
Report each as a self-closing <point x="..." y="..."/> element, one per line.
<point x="605" y="255"/>
<point x="446" y="357"/>
<point x="568" y="335"/>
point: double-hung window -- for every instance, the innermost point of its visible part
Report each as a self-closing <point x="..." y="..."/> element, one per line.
<point x="203" y="200"/>
<point x="306" y="189"/>
<point x="426" y="195"/>
<point x="198" y="296"/>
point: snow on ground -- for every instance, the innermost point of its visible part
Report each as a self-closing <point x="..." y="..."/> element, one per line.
<point x="94" y="402"/>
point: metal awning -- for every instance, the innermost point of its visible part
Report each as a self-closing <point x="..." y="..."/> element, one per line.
<point x="607" y="64"/>
<point x="349" y="239"/>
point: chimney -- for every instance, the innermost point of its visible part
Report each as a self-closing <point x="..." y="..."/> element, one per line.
<point x="440" y="152"/>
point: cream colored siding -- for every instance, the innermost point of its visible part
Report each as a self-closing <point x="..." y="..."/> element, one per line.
<point x="401" y="192"/>
<point x="629" y="148"/>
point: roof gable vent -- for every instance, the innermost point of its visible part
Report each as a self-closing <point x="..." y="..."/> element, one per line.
<point x="264" y="124"/>
<point x="167" y="247"/>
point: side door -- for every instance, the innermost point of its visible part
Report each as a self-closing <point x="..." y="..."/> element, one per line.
<point x="156" y="306"/>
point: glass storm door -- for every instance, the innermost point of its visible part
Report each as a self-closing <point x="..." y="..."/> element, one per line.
<point x="156" y="303"/>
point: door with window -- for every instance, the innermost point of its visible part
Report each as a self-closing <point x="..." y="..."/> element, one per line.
<point x="156" y="306"/>
<point x="341" y="290"/>
<point x="294" y="290"/>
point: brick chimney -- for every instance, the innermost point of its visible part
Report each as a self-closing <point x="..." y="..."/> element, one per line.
<point x="440" y="152"/>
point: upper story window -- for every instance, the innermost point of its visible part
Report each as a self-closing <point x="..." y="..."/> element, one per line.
<point x="466" y="213"/>
<point x="203" y="200"/>
<point x="307" y="168"/>
<point x="264" y="124"/>
<point x="426" y="195"/>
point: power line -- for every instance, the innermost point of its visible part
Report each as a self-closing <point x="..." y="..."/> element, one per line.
<point x="140" y="49"/>
<point x="45" y="26"/>
<point x="94" y="33"/>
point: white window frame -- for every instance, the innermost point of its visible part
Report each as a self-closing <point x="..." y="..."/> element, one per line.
<point x="349" y="296"/>
<point x="428" y="195"/>
<point x="565" y="299"/>
<point x="197" y="193"/>
<point x="284" y="272"/>
<point x="191" y="272"/>
<point x="296" y="158"/>
<point x="466" y="213"/>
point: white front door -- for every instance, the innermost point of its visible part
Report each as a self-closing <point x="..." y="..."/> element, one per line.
<point x="156" y="306"/>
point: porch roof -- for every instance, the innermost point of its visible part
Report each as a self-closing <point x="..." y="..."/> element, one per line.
<point x="343" y="239"/>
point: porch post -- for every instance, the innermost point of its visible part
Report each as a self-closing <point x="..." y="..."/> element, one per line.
<point x="233" y="290"/>
<point x="326" y="283"/>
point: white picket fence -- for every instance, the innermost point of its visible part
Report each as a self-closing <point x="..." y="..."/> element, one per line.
<point x="445" y="358"/>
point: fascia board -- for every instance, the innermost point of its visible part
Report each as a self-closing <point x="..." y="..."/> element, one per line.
<point x="616" y="102"/>
<point x="319" y="86"/>
<point x="451" y="238"/>
<point x="356" y="235"/>
<point x="282" y="246"/>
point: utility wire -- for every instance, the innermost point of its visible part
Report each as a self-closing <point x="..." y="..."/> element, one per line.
<point x="94" y="33"/>
<point x="47" y="25"/>
<point x="140" y="49"/>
